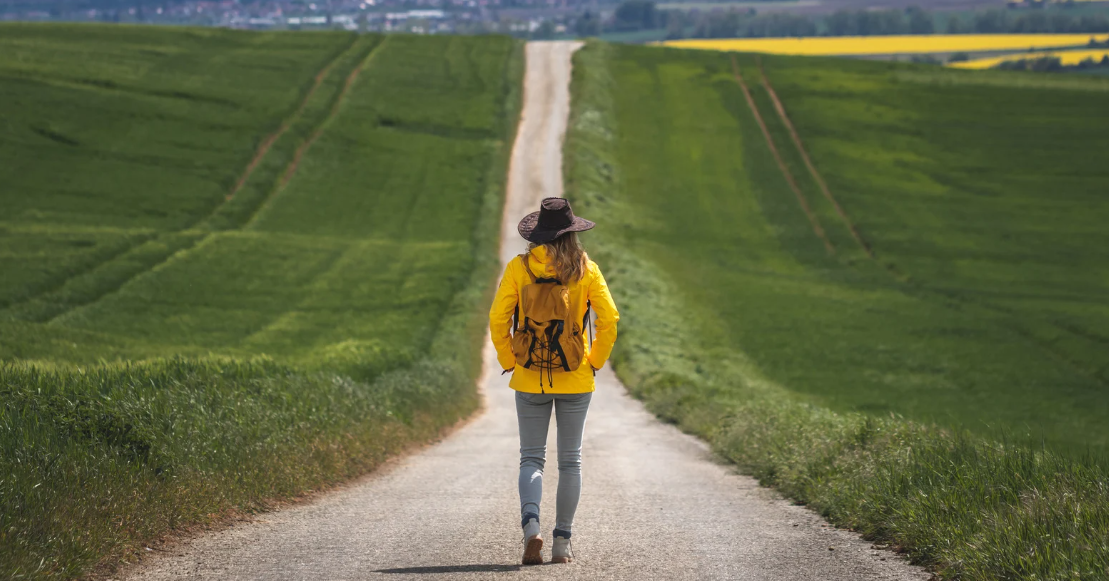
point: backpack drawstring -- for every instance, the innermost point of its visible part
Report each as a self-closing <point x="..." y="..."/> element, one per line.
<point x="546" y="361"/>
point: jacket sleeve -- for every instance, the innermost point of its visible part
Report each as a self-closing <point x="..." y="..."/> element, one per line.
<point x="607" y="316"/>
<point x="500" y="318"/>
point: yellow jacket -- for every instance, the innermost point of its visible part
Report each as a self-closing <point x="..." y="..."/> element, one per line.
<point x="591" y="288"/>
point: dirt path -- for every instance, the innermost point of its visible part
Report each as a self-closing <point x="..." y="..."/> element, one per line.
<point x="655" y="505"/>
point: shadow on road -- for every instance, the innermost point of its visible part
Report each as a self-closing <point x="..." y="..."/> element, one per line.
<point x="453" y="569"/>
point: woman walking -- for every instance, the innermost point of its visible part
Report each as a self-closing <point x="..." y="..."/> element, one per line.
<point x="538" y="323"/>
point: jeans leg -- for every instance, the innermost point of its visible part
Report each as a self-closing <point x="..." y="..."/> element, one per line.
<point x="533" y="412"/>
<point x="570" y="412"/>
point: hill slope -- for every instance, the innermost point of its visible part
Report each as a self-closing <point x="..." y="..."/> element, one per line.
<point x="956" y="274"/>
<point x="237" y="267"/>
<point x="865" y="349"/>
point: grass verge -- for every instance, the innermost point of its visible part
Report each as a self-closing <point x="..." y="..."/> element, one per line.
<point x="967" y="506"/>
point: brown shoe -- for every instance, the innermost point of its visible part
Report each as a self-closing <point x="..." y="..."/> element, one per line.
<point x="561" y="551"/>
<point x="533" y="551"/>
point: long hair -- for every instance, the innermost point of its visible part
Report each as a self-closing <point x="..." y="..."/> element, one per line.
<point x="567" y="257"/>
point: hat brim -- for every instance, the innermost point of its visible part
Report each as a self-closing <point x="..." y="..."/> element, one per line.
<point x="527" y="229"/>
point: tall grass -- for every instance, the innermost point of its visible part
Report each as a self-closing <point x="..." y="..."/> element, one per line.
<point x="96" y="461"/>
<point x="967" y="506"/>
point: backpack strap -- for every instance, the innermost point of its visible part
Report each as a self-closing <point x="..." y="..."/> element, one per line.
<point x="588" y="323"/>
<point x="557" y="347"/>
<point x="585" y="321"/>
<point x="516" y="310"/>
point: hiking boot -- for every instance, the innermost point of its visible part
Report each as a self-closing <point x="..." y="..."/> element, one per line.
<point x="533" y="543"/>
<point x="561" y="552"/>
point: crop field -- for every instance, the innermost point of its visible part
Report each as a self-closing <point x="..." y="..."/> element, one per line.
<point x="236" y="267"/>
<point x="1066" y="58"/>
<point x="889" y="45"/>
<point x="902" y="321"/>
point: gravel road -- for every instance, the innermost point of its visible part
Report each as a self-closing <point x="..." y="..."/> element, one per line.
<point x="655" y="504"/>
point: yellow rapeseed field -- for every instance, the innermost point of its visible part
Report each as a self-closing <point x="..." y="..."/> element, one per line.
<point x="903" y="44"/>
<point x="1068" y="57"/>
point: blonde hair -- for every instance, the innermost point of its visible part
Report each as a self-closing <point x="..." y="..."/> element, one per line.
<point x="567" y="257"/>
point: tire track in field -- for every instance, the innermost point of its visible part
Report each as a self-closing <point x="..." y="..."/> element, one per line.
<point x="808" y="162"/>
<point x="952" y="298"/>
<point x="13" y="308"/>
<point x="336" y="105"/>
<point x="268" y="142"/>
<point x="260" y="154"/>
<point x="289" y="170"/>
<point x="813" y="220"/>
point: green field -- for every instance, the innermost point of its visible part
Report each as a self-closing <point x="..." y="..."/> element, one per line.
<point x="1000" y="218"/>
<point x="236" y="267"/>
<point x="974" y="299"/>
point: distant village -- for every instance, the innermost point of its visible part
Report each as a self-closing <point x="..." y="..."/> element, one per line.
<point x="614" y="20"/>
<point x="519" y="18"/>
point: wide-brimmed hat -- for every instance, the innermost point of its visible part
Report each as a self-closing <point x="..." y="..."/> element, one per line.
<point x="554" y="218"/>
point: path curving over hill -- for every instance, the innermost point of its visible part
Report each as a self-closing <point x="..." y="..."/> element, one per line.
<point x="654" y="506"/>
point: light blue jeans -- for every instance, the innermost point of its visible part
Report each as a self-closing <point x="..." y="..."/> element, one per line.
<point x="533" y="410"/>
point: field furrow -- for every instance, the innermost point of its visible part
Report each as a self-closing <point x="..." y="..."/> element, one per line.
<point x="333" y="111"/>
<point x="808" y="162"/>
<point x="99" y="280"/>
<point x="294" y="137"/>
<point x="268" y="142"/>
<point x="813" y="220"/>
<point x="81" y="284"/>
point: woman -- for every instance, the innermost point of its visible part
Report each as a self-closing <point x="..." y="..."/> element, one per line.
<point x="553" y="253"/>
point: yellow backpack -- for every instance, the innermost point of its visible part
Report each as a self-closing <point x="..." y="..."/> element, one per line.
<point x="544" y="337"/>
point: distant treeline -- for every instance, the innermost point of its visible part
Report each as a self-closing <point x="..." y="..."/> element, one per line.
<point x="1052" y="64"/>
<point x="634" y="15"/>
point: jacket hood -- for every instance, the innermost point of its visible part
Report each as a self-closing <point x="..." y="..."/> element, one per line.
<point x="540" y="262"/>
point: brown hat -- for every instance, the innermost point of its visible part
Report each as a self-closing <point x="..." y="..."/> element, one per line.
<point x="554" y="218"/>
